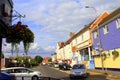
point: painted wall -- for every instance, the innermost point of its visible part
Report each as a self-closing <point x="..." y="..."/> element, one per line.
<point x="68" y="51"/>
<point x="58" y="51"/>
<point x="62" y="52"/>
<point x="2" y="65"/>
<point x="110" y="40"/>
<point x="109" y="63"/>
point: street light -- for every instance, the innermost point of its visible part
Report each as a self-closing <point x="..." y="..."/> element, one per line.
<point x="98" y="33"/>
<point x="92" y="8"/>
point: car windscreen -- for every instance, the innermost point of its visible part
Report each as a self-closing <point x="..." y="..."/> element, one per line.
<point x="78" y="67"/>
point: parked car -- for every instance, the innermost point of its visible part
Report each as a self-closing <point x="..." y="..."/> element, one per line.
<point x="56" y="64"/>
<point x="6" y="76"/>
<point x="23" y="73"/>
<point x="79" y="70"/>
<point x="64" y="66"/>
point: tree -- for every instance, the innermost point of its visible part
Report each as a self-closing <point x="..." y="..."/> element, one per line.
<point x="2" y="55"/>
<point x="38" y="59"/>
<point x="50" y="60"/>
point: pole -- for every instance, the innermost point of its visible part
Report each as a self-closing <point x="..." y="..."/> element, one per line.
<point x="99" y="41"/>
<point x="0" y="50"/>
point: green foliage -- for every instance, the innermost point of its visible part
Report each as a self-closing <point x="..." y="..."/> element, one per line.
<point x="50" y="60"/>
<point x="20" y="33"/>
<point x="33" y="62"/>
<point x="26" y="61"/>
<point x="2" y="55"/>
<point x="38" y="59"/>
<point x="96" y="55"/>
<point x="20" y="59"/>
<point x="115" y="54"/>
<point x="104" y="55"/>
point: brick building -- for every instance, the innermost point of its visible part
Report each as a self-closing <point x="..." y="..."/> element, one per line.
<point x="6" y="9"/>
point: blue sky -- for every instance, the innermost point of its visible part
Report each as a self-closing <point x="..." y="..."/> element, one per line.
<point x="52" y="20"/>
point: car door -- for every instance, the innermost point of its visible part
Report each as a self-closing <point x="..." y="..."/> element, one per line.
<point x="25" y="73"/>
<point x="16" y="73"/>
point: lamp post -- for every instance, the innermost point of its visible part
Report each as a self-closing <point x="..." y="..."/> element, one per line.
<point x="98" y="33"/>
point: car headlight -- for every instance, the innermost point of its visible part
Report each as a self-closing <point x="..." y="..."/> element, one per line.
<point x="72" y="72"/>
<point x="64" y="66"/>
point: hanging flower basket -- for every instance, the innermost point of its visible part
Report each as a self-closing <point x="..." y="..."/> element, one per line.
<point x="115" y="54"/>
<point x="20" y="33"/>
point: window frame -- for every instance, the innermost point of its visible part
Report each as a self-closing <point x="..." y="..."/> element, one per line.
<point x="105" y="29"/>
<point x="118" y="23"/>
<point x="95" y="34"/>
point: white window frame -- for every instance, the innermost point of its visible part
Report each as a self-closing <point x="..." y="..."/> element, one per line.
<point x="105" y="29"/>
<point x="95" y="34"/>
<point x="118" y="23"/>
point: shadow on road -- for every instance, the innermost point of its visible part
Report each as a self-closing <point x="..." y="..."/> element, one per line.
<point x="91" y="77"/>
<point x="49" y="78"/>
<point x="64" y="78"/>
<point x="97" y="77"/>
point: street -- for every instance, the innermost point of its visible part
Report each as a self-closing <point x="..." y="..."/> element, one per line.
<point x="52" y="73"/>
<point x="56" y="74"/>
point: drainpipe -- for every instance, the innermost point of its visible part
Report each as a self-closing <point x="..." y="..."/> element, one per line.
<point x="99" y="41"/>
<point x="0" y="50"/>
<point x="89" y="53"/>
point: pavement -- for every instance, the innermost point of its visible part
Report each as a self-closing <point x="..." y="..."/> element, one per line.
<point x="111" y="75"/>
<point x="107" y="72"/>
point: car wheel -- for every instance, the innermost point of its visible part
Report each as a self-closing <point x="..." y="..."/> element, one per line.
<point x="71" y="77"/>
<point x="35" y="78"/>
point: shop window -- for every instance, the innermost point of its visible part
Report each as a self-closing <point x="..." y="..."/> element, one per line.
<point x="86" y="57"/>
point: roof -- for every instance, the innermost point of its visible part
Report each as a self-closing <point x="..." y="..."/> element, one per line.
<point x="81" y="30"/>
<point x="111" y="16"/>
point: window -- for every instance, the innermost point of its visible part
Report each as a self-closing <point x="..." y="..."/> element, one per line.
<point x="6" y="10"/>
<point x="76" y="40"/>
<point x="82" y="37"/>
<point x="95" y="34"/>
<point x="105" y="29"/>
<point x="118" y="23"/>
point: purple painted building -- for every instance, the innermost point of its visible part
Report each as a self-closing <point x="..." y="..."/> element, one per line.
<point x="106" y="38"/>
<point x="109" y="32"/>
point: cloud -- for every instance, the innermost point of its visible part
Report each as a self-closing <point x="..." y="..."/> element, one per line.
<point x="49" y="48"/>
<point x="53" y="20"/>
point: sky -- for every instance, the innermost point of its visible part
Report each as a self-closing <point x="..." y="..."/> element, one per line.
<point x="51" y="21"/>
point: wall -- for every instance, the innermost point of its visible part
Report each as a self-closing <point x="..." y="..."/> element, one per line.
<point x="2" y="63"/>
<point x="109" y="62"/>
<point x="110" y="40"/>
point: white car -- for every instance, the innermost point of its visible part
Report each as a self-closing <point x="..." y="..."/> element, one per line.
<point x="79" y="70"/>
<point x="56" y="65"/>
<point x="23" y="73"/>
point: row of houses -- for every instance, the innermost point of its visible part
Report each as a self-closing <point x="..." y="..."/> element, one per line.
<point x="97" y="45"/>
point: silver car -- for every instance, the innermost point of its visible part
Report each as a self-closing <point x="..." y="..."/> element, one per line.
<point x="23" y="73"/>
<point x="79" y="70"/>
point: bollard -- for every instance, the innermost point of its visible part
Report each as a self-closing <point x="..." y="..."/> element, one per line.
<point x="49" y="78"/>
<point x="22" y="78"/>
